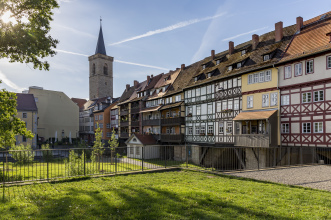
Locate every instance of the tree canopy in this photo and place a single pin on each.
(27, 39)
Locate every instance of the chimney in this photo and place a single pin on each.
(231, 47)
(299, 23)
(151, 76)
(255, 41)
(127, 87)
(182, 66)
(148, 79)
(135, 83)
(177, 69)
(213, 54)
(278, 31)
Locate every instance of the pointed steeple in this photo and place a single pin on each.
(100, 45)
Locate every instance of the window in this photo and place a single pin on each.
(96, 126)
(96, 118)
(266, 57)
(137, 150)
(197, 130)
(210, 109)
(230, 83)
(328, 62)
(170, 99)
(197, 92)
(285, 99)
(249, 101)
(189, 110)
(250, 79)
(221, 128)
(108, 134)
(218, 62)
(238, 65)
(224, 105)
(243, 52)
(236, 104)
(210, 129)
(204, 66)
(101, 125)
(23, 138)
(310, 66)
(256, 78)
(25, 115)
(318, 96)
(198, 110)
(168, 130)
(225, 84)
(229, 68)
(230, 104)
(220, 86)
(287, 72)
(285, 128)
(261, 77)
(274, 99)
(202, 130)
(235, 82)
(306, 127)
(229, 127)
(209, 75)
(105, 69)
(318, 127)
(108, 125)
(190, 130)
(265, 100)
(167, 114)
(268, 75)
(131, 150)
(100, 117)
(178, 98)
(298, 69)
(195, 79)
(189, 94)
(209, 89)
(306, 97)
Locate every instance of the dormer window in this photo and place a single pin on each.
(229, 68)
(266, 57)
(195, 79)
(238, 65)
(209, 75)
(218, 62)
(157, 91)
(204, 66)
(243, 52)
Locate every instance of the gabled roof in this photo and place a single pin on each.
(26, 102)
(145, 139)
(79, 102)
(153, 82)
(126, 95)
(312, 39)
(100, 45)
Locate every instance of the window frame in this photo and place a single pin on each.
(265, 104)
(24, 115)
(265, 77)
(285, 129)
(273, 100)
(327, 63)
(250, 101)
(288, 72)
(266, 57)
(304, 126)
(221, 125)
(282, 100)
(295, 65)
(319, 98)
(319, 127)
(306, 97)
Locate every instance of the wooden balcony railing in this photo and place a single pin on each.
(172, 137)
(124, 135)
(124, 123)
(124, 112)
(135, 110)
(252, 140)
(134, 123)
(151, 122)
(173, 121)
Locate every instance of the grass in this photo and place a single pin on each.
(167, 195)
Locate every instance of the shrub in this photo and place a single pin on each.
(22, 154)
(47, 154)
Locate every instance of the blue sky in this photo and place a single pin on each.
(148, 37)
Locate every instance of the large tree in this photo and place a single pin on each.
(27, 39)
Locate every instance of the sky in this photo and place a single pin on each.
(148, 37)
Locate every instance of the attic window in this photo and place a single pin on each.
(195, 79)
(157, 91)
(243, 52)
(229, 68)
(204, 66)
(238, 65)
(218, 62)
(266, 57)
(166, 78)
(209, 75)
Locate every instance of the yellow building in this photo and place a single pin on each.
(58, 115)
(27, 112)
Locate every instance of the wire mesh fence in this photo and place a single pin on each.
(17, 167)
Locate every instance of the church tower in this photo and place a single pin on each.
(101, 71)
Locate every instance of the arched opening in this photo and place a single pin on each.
(93, 69)
(105, 69)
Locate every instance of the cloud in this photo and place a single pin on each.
(117, 61)
(169, 28)
(249, 32)
(77, 31)
(9, 83)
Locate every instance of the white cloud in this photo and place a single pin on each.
(169, 28)
(9, 83)
(249, 32)
(77, 31)
(118, 61)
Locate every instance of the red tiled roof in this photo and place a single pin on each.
(79, 102)
(146, 139)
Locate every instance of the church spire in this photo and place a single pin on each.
(100, 45)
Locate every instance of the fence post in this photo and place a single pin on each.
(165, 156)
(258, 158)
(84, 162)
(186, 149)
(116, 158)
(212, 161)
(47, 171)
(142, 158)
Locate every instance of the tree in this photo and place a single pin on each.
(113, 144)
(27, 39)
(98, 147)
(10, 125)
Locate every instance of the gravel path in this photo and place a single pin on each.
(317, 177)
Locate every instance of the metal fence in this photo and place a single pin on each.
(17, 167)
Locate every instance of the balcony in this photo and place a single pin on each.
(135, 110)
(252, 140)
(173, 121)
(124, 135)
(124, 112)
(134, 123)
(151, 122)
(172, 138)
(124, 123)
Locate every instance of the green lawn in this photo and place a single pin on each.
(167, 195)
